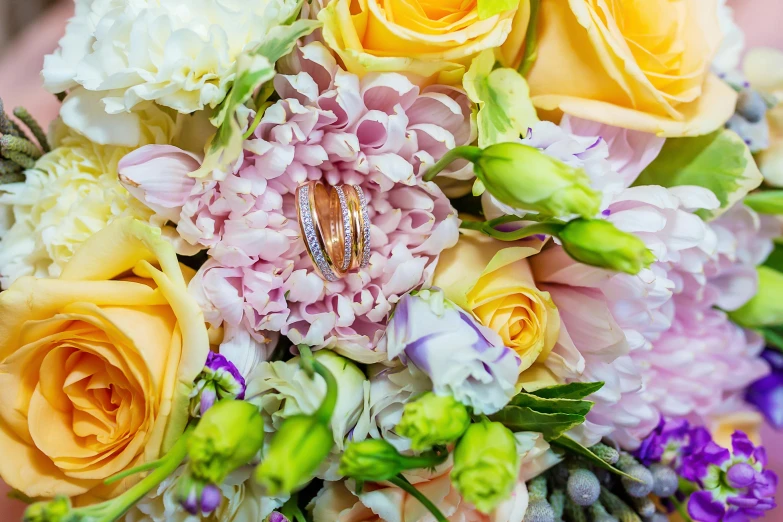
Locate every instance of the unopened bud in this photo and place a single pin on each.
(295, 452)
(606, 453)
(229, 435)
(574, 512)
(599, 243)
(371, 460)
(557, 501)
(57, 510)
(276, 517)
(539, 511)
(433, 420)
(485, 465)
(599, 514)
(525, 178)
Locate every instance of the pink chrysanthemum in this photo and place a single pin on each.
(376, 132)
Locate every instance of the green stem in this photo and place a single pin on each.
(310, 365)
(467, 152)
(402, 483)
(112, 510)
(547, 229)
(680, 507)
(429, 459)
(128, 472)
(256, 120)
(531, 39)
(291, 511)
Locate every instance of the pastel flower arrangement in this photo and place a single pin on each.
(488, 261)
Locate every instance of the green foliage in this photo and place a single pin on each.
(570, 445)
(503, 98)
(720, 161)
(574, 390)
(766, 202)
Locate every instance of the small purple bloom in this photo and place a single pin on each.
(210, 498)
(219, 379)
(277, 517)
(703, 508)
(741, 475)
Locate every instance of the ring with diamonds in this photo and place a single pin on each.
(335, 227)
(323, 240)
(357, 205)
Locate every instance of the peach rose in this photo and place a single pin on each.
(492, 280)
(640, 65)
(96, 366)
(426, 40)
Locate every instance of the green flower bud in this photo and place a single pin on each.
(371, 460)
(525, 178)
(766, 307)
(485, 465)
(433, 420)
(228, 436)
(297, 449)
(599, 243)
(57, 510)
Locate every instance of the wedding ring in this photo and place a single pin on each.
(335, 227)
(318, 238)
(357, 204)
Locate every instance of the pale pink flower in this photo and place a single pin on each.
(380, 132)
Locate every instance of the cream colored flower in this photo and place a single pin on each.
(72, 193)
(176, 53)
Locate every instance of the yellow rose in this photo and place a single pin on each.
(764, 69)
(430, 40)
(492, 279)
(640, 64)
(96, 366)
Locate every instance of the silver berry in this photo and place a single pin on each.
(539, 511)
(643, 485)
(665, 480)
(583, 487)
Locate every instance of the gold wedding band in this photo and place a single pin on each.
(335, 226)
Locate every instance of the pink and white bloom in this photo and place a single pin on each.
(379, 132)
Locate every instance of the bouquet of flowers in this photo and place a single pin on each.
(399, 260)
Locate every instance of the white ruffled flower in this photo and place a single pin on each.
(243, 501)
(727, 58)
(176, 53)
(282, 389)
(72, 193)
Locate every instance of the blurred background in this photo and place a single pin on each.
(30, 29)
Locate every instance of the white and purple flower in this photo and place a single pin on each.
(461, 357)
(219, 380)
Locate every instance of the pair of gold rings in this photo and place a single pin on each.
(335, 226)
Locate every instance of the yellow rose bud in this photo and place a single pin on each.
(429, 41)
(96, 366)
(492, 280)
(642, 65)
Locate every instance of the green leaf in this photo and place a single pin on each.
(502, 95)
(575, 390)
(252, 70)
(541, 405)
(552, 425)
(773, 338)
(488, 8)
(766, 202)
(567, 443)
(720, 161)
(775, 259)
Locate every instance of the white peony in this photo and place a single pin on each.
(243, 501)
(177, 53)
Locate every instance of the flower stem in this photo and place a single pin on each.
(467, 152)
(401, 482)
(485, 227)
(310, 365)
(429, 459)
(531, 39)
(113, 509)
(138, 469)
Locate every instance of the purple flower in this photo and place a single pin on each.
(664, 443)
(276, 517)
(200, 498)
(219, 379)
(766, 394)
(734, 484)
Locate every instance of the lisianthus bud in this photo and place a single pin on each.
(228, 436)
(485, 465)
(525, 178)
(276, 517)
(766, 307)
(599, 243)
(432, 420)
(296, 451)
(218, 380)
(376, 460)
(196, 497)
(57, 510)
